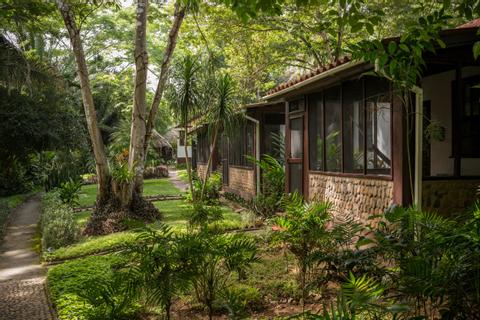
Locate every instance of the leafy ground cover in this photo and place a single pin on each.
(267, 289)
(175, 214)
(152, 187)
(65, 280)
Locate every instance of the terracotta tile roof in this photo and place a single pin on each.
(472, 24)
(308, 75)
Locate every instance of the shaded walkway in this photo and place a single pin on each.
(174, 177)
(22, 278)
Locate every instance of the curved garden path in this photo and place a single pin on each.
(22, 277)
(174, 177)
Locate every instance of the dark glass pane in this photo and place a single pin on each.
(296, 137)
(470, 126)
(296, 105)
(274, 137)
(333, 114)
(353, 126)
(250, 137)
(296, 178)
(315, 131)
(378, 108)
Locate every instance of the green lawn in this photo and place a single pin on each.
(152, 187)
(175, 214)
(182, 174)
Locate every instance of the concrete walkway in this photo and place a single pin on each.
(177, 181)
(22, 278)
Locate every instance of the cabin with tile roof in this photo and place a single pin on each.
(350, 141)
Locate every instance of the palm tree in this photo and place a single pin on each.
(184, 100)
(219, 117)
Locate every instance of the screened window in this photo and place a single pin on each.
(203, 147)
(470, 120)
(333, 142)
(242, 145)
(274, 136)
(296, 137)
(350, 127)
(378, 123)
(353, 127)
(315, 119)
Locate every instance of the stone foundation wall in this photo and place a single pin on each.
(201, 169)
(355, 197)
(449, 196)
(241, 181)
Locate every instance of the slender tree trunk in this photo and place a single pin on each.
(187, 162)
(178, 16)
(136, 156)
(103, 174)
(209, 162)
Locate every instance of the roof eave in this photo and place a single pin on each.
(323, 75)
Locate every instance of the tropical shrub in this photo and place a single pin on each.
(273, 187)
(212, 189)
(202, 216)
(358, 298)
(69, 192)
(58, 224)
(162, 265)
(437, 258)
(221, 256)
(307, 233)
(264, 206)
(240, 298)
(52, 168)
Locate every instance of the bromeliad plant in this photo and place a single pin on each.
(69, 192)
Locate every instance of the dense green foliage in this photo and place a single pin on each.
(66, 281)
(58, 226)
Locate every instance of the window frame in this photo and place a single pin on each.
(233, 151)
(459, 101)
(366, 173)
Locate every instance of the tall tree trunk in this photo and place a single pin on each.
(137, 151)
(178, 16)
(187, 163)
(103, 174)
(209, 162)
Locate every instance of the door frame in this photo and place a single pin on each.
(302, 113)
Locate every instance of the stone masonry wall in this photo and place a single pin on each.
(241, 181)
(449, 196)
(354, 197)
